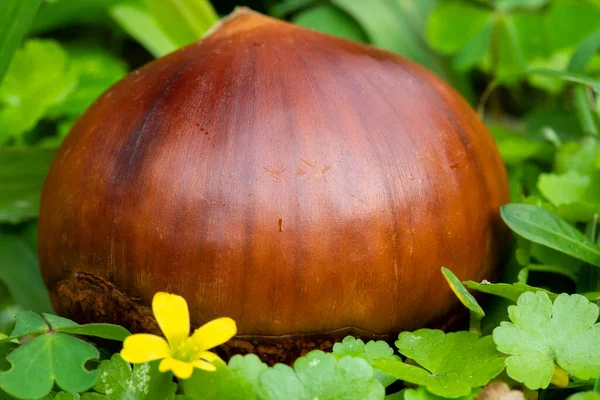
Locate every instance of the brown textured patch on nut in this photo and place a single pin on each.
(86, 298)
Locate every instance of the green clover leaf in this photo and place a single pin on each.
(321, 375)
(236, 381)
(505, 37)
(421, 393)
(37, 364)
(369, 352)
(584, 396)
(450, 365)
(117, 381)
(542, 333)
(66, 396)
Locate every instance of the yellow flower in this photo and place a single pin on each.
(180, 353)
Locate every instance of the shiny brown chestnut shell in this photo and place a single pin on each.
(296, 182)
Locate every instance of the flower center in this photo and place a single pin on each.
(185, 351)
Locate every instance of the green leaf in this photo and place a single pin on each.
(15, 19)
(331, 20)
(57, 323)
(570, 187)
(5, 349)
(573, 187)
(104, 331)
(29, 323)
(580, 156)
(421, 393)
(584, 396)
(475, 310)
(558, 61)
(550, 257)
(509, 291)
(450, 365)
(184, 21)
(570, 77)
(543, 227)
(369, 352)
(462, 293)
(95, 70)
(91, 396)
(525, 4)
(321, 375)
(584, 106)
(569, 22)
(286, 7)
(118, 382)
(511, 53)
(576, 212)
(22, 175)
(46, 359)
(585, 52)
(38, 77)
(474, 49)
(523, 251)
(21, 272)
(442, 32)
(506, 42)
(516, 148)
(477, 35)
(61, 13)
(67, 396)
(135, 19)
(552, 269)
(561, 121)
(113, 376)
(542, 333)
(239, 380)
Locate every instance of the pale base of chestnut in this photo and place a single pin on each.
(85, 298)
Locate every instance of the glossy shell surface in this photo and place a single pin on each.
(293, 181)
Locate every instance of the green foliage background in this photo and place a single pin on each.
(530, 67)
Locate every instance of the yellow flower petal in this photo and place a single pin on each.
(205, 365)
(143, 347)
(209, 356)
(181, 369)
(171, 313)
(214, 333)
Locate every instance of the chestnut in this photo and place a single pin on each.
(304, 185)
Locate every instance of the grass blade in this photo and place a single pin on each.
(183, 21)
(585, 52)
(15, 18)
(138, 23)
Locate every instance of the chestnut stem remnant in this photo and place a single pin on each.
(382, 172)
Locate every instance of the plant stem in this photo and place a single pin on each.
(475, 323)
